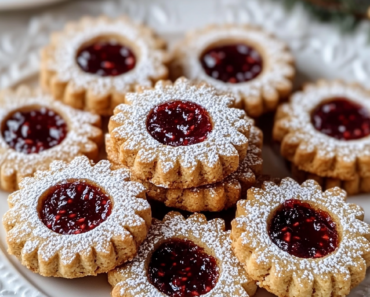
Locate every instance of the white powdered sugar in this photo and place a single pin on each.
(230, 126)
(277, 60)
(78, 141)
(25, 226)
(62, 53)
(353, 232)
(209, 235)
(299, 126)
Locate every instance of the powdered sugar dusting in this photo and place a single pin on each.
(77, 142)
(23, 224)
(277, 59)
(353, 232)
(61, 55)
(210, 235)
(230, 126)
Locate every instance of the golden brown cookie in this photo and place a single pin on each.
(94, 62)
(76, 219)
(37, 130)
(299, 241)
(242, 59)
(352, 187)
(180, 135)
(213, 197)
(325, 130)
(195, 255)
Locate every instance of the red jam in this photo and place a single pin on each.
(106, 58)
(234, 63)
(179, 123)
(75, 207)
(180, 268)
(302, 231)
(31, 132)
(342, 119)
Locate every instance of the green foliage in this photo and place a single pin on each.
(346, 13)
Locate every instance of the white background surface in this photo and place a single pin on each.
(321, 51)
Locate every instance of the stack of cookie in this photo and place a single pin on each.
(324, 132)
(187, 145)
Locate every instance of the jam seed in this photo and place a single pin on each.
(296, 224)
(195, 293)
(287, 237)
(81, 220)
(57, 217)
(69, 201)
(325, 237)
(160, 274)
(72, 215)
(83, 227)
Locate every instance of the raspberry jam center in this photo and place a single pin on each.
(234, 63)
(302, 231)
(75, 207)
(180, 268)
(106, 58)
(342, 119)
(179, 123)
(34, 131)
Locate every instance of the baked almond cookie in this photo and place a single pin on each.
(299, 241)
(243, 59)
(354, 186)
(76, 219)
(182, 258)
(180, 135)
(94, 62)
(37, 130)
(213, 197)
(325, 130)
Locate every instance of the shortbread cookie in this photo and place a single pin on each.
(76, 219)
(352, 187)
(299, 241)
(37, 130)
(94, 62)
(182, 258)
(180, 135)
(325, 130)
(213, 197)
(245, 60)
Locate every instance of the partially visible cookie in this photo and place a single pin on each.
(213, 197)
(37, 130)
(296, 240)
(242, 59)
(180, 135)
(94, 62)
(76, 219)
(181, 257)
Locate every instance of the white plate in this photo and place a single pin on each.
(23, 4)
(320, 50)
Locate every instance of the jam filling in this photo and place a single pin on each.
(31, 132)
(75, 207)
(342, 119)
(234, 63)
(302, 231)
(180, 268)
(179, 123)
(106, 58)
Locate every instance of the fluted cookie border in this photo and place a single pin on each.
(83, 138)
(99, 250)
(167, 166)
(257, 96)
(67, 82)
(313, 151)
(131, 279)
(286, 275)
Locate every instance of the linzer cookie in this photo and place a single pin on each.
(93, 63)
(213, 197)
(299, 241)
(325, 130)
(180, 135)
(245, 60)
(37, 130)
(76, 219)
(183, 258)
